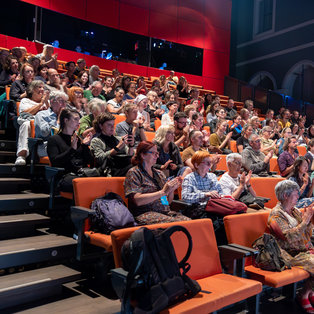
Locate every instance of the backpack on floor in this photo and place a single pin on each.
(111, 213)
(155, 278)
(269, 256)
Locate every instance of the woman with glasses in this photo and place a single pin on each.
(169, 160)
(286, 133)
(130, 91)
(147, 189)
(75, 99)
(267, 143)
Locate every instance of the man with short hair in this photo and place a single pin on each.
(69, 76)
(288, 156)
(231, 112)
(253, 159)
(248, 104)
(181, 133)
(81, 64)
(131, 124)
(47, 121)
(54, 82)
(94, 92)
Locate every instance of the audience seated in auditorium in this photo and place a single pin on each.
(267, 143)
(249, 106)
(253, 159)
(153, 107)
(18, 87)
(81, 64)
(3, 56)
(200, 185)
(66, 150)
(112, 154)
(130, 91)
(142, 102)
(293, 231)
(231, 112)
(36, 100)
(169, 160)
(141, 87)
(69, 76)
(245, 116)
(47, 121)
(148, 190)
(210, 112)
(268, 116)
(35, 63)
(300, 175)
(168, 118)
(54, 81)
(107, 90)
(116, 104)
(234, 182)
(94, 91)
(219, 139)
(243, 140)
(181, 130)
(48, 58)
(285, 134)
(189, 110)
(183, 87)
(236, 127)
(42, 73)
(284, 122)
(221, 114)
(82, 80)
(131, 124)
(94, 72)
(75, 99)
(288, 156)
(172, 79)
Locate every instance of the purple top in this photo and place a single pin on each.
(285, 160)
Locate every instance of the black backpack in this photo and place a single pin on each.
(111, 213)
(155, 278)
(269, 256)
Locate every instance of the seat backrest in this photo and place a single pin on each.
(150, 136)
(273, 164)
(204, 259)
(88, 189)
(266, 187)
(157, 124)
(222, 164)
(233, 146)
(244, 229)
(32, 123)
(301, 150)
(7, 92)
(119, 118)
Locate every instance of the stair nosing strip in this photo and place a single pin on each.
(25, 284)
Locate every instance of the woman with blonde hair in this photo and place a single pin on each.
(169, 159)
(48, 58)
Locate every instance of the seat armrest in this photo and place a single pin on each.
(233, 259)
(118, 280)
(52, 176)
(179, 205)
(245, 248)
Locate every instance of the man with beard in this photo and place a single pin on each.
(181, 133)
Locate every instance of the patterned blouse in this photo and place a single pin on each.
(139, 181)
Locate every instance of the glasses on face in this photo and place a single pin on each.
(153, 153)
(206, 163)
(182, 122)
(257, 141)
(60, 101)
(78, 93)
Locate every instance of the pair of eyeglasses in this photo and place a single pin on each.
(153, 153)
(206, 163)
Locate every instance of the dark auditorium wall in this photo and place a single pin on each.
(200, 23)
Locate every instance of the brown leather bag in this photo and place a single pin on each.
(225, 205)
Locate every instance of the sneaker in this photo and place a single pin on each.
(20, 161)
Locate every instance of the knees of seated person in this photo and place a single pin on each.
(22, 142)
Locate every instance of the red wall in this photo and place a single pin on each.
(200, 23)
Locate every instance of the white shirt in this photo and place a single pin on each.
(229, 184)
(27, 103)
(165, 120)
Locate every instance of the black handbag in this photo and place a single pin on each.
(88, 172)
(248, 199)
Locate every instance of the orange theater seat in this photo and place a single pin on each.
(266, 187)
(88, 189)
(233, 146)
(222, 164)
(273, 165)
(244, 230)
(150, 136)
(302, 150)
(157, 123)
(224, 289)
(119, 118)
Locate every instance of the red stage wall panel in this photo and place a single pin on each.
(214, 84)
(133, 19)
(201, 23)
(103, 12)
(218, 13)
(168, 7)
(190, 33)
(76, 8)
(163, 26)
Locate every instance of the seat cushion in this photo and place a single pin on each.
(225, 290)
(276, 279)
(100, 239)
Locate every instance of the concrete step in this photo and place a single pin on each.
(9, 169)
(36, 249)
(33, 285)
(7, 145)
(7, 156)
(14, 185)
(23, 202)
(14, 226)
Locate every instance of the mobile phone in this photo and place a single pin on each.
(130, 131)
